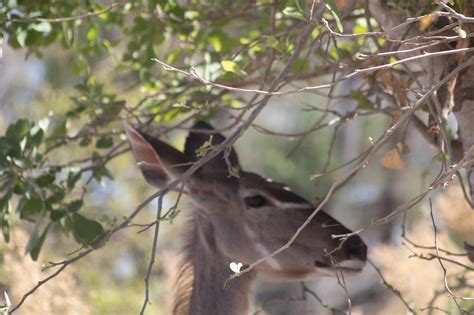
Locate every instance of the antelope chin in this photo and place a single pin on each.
(354, 264)
(349, 267)
(291, 276)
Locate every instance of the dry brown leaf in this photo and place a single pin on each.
(403, 148)
(470, 251)
(392, 160)
(387, 80)
(395, 84)
(426, 22)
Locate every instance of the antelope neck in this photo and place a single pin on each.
(210, 272)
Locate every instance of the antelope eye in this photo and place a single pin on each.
(255, 201)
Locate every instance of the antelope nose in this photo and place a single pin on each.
(356, 248)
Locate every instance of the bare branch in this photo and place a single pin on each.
(445, 271)
(270, 92)
(152, 256)
(343, 179)
(391, 287)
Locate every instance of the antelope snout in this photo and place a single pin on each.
(356, 248)
(355, 252)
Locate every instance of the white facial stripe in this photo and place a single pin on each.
(355, 264)
(274, 202)
(249, 232)
(293, 205)
(272, 262)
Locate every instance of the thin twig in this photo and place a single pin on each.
(445, 271)
(343, 179)
(391, 287)
(152, 257)
(356, 72)
(66, 19)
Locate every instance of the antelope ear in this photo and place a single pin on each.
(159, 162)
(204, 137)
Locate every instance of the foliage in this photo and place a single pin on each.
(210, 36)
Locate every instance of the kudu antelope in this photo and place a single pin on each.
(240, 219)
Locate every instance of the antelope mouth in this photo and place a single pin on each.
(354, 265)
(291, 275)
(321, 269)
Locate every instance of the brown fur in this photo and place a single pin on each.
(183, 282)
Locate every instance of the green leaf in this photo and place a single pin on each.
(42, 27)
(6, 227)
(104, 142)
(72, 177)
(230, 66)
(92, 34)
(45, 180)
(85, 142)
(204, 148)
(74, 206)
(85, 231)
(60, 129)
(17, 131)
(20, 187)
(107, 220)
(112, 109)
(56, 215)
(9, 149)
(29, 207)
(5, 209)
(360, 26)
(21, 37)
(36, 242)
(56, 197)
(36, 137)
(169, 116)
(293, 12)
(67, 35)
(20, 162)
(300, 65)
(361, 99)
(100, 172)
(271, 41)
(216, 41)
(331, 6)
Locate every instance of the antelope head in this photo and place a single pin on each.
(248, 217)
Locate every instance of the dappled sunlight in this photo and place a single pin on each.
(413, 270)
(20, 273)
(456, 213)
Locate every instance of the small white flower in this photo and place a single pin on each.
(333, 121)
(7, 299)
(4, 309)
(235, 267)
